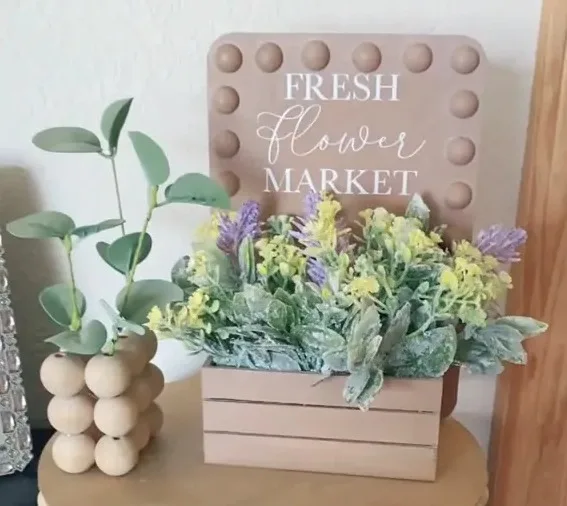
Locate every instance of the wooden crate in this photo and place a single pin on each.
(280, 420)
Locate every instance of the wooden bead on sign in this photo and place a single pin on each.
(107, 376)
(154, 418)
(70, 415)
(41, 500)
(116, 456)
(150, 344)
(73, 454)
(116, 416)
(62, 374)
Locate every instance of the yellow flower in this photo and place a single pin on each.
(279, 256)
(362, 287)
(449, 280)
(155, 317)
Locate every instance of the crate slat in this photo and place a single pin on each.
(321, 422)
(316, 455)
(225, 383)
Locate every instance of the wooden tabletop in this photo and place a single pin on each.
(171, 473)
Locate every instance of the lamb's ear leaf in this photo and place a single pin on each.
(67, 140)
(42, 225)
(525, 325)
(113, 120)
(417, 208)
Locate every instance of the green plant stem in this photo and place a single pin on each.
(152, 204)
(75, 316)
(117, 192)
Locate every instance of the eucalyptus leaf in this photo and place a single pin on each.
(102, 250)
(88, 341)
(42, 225)
(143, 296)
(527, 326)
(113, 120)
(119, 323)
(88, 230)
(57, 302)
(417, 208)
(67, 140)
(152, 158)
(120, 254)
(195, 188)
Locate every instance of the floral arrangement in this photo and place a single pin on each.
(64, 303)
(309, 294)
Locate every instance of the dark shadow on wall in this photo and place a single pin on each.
(31, 267)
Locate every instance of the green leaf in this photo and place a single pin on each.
(89, 341)
(152, 158)
(320, 338)
(397, 329)
(477, 358)
(113, 119)
(336, 360)
(102, 250)
(120, 254)
(179, 273)
(42, 225)
(143, 296)
(417, 208)
(283, 362)
(119, 323)
(57, 302)
(197, 188)
(426, 355)
(246, 260)
(67, 140)
(241, 311)
(527, 326)
(277, 315)
(362, 386)
(362, 347)
(257, 299)
(87, 230)
(504, 342)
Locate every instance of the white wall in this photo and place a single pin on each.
(62, 61)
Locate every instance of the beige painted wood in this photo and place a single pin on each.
(324, 456)
(321, 422)
(308, 389)
(172, 473)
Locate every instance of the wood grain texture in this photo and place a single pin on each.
(171, 472)
(321, 423)
(308, 389)
(323, 456)
(529, 440)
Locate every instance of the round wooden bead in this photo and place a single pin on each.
(116, 456)
(154, 418)
(150, 344)
(140, 434)
(70, 415)
(116, 416)
(153, 375)
(107, 376)
(141, 393)
(41, 500)
(62, 374)
(94, 432)
(132, 350)
(73, 454)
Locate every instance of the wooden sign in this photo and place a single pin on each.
(372, 118)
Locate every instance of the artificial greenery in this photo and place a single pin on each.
(308, 294)
(64, 303)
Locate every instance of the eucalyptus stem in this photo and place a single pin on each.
(138, 251)
(117, 192)
(75, 315)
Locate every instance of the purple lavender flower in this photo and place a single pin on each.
(310, 204)
(316, 272)
(501, 242)
(233, 232)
